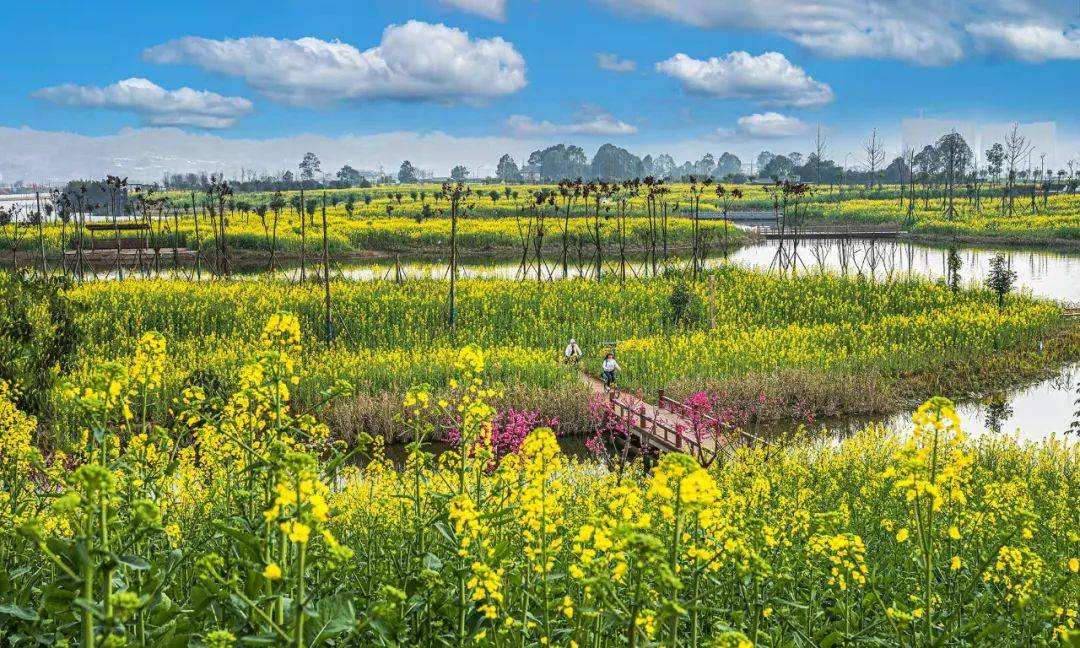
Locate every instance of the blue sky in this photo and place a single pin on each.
(864, 64)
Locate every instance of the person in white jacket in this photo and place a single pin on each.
(572, 355)
(610, 368)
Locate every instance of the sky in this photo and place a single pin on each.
(144, 88)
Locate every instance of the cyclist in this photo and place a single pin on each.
(610, 369)
(572, 354)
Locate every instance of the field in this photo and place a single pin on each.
(201, 463)
(815, 344)
(242, 519)
(414, 219)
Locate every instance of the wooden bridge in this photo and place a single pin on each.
(669, 426)
(846, 231)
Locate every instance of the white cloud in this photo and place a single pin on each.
(902, 29)
(769, 125)
(416, 60)
(614, 63)
(1028, 41)
(493, 9)
(144, 154)
(589, 121)
(769, 79)
(156, 105)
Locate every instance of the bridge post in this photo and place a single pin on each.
(660, 398)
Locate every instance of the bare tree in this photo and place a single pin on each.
(875, 156)
(820, 149)
(1017, 147)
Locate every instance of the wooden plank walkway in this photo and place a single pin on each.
(667, 426)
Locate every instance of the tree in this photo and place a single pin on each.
(816, 158)
(763, 159)
(614, 163)
(559, 161)
(779, 167)
(956, 157)
(310, 166)
(1017, 148)
(407, 174)
(459, 173)
(875, 156)
(1001, 278)
(727, 165)
(647, 165)
(995, 158)
(507, 170)
(348, 176)
(706, 166)
(663, 166)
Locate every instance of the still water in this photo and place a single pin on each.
(1041, 273)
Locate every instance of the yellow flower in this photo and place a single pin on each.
(1074, 565)
(954, 533)
(296, 531)
(955, 564)
(272, 572)
(902, 535)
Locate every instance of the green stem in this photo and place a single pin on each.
(300, 596)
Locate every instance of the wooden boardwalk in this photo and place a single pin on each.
(825, 231)
(668, 425)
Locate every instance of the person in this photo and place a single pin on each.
(611, 367)
(573, 352)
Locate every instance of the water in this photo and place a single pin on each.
(1040, 273)
(1030, 413)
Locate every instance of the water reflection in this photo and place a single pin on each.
(1042, 273)
(1031, 414)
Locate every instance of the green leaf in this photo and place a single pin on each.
(445, 531)
(248, 540)
(335, 616)
(134, 562)
(26, 614)
(432, 562)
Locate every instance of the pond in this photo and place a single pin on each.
(1030, 413)
(1042, 273)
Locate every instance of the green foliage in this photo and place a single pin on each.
(38, 337)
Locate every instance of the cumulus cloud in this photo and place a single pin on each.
(417, 60)
(1028, 42)
(493, 9)
(900, 29)
(769, 78)
(614, 63)
(590, 121)
(156, 105)
(769, 125)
